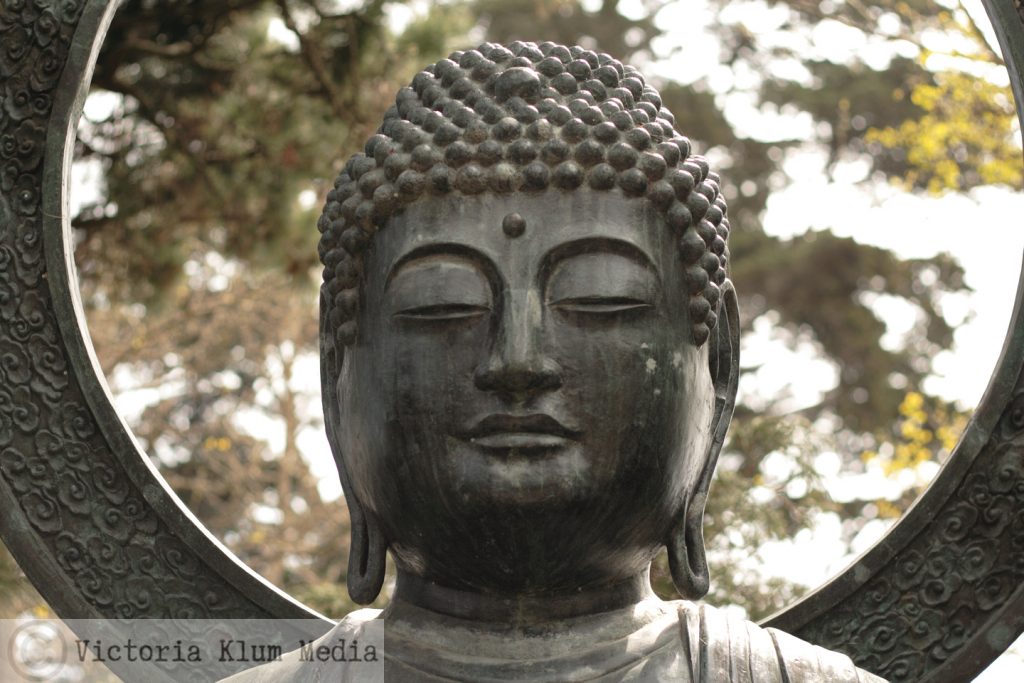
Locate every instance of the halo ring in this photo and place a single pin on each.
(892, 609)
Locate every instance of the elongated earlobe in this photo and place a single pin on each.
(687, 559)
(368, 547)
(366, 556)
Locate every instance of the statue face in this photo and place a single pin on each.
(525, 411)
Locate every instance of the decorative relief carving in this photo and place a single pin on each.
(921, 609)
(914, 615)
(69, 485)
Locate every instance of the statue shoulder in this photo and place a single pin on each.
(724, 647)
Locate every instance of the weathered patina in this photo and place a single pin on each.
(910, 609)
(529, 352)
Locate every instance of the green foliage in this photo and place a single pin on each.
(220, 129)
(820, 281)
(926, 432)
(931, 129)
(852, 99)
(963, 137)
(747, 166)
(198, 264)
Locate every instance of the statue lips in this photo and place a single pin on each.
(520, 432)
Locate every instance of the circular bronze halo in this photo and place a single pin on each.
(909, 609)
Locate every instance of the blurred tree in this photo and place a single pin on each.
(964, 137)
(917, 104)
(926, 431)
(225, 122)
(198, 262)
(16, 594)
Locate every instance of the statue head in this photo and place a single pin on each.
(529, 341)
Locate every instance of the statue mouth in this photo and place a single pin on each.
(520, 432)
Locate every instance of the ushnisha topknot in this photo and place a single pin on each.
(525, 118)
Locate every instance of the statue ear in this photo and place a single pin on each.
(368, 547)
(686, 556)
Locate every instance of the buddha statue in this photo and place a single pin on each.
(529, 362)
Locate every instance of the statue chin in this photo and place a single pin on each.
(530, 352)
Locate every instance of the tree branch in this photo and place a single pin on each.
(314, 60)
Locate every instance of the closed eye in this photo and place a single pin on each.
(441, 312)
(598, 305)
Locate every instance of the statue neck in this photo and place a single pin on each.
(520, 610)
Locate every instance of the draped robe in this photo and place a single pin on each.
(652, 641)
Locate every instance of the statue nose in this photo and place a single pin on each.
(517, 367)
(518, 379)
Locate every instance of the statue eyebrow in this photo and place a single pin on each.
(590, 245)
(460, 251)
